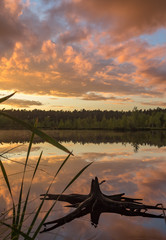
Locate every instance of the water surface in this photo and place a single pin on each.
(133, 163)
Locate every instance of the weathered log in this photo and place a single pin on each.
(71, 198)
(96, 203)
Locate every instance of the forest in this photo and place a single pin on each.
(89, 119)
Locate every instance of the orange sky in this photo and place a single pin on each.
(74, 54)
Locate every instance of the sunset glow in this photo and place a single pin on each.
(75, 54)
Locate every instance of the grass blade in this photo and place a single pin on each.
(77, 175)
(22, 183)
(27, 197)
(37, 166)
(62, 165)
(42, 202)
(6, 178)
(9, 188)
(9, 150)
(45, 217)
(7, 97)
(38, 132)
(16, 231)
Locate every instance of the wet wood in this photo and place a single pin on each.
(96, 203)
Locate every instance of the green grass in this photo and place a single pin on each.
(15, 226)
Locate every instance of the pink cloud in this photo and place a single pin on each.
(75, 35)
(157, 103)
(22, 103)
(99, 97)
(122, 20)
(70, 55)
(74, 73)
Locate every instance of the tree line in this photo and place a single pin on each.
(89, 119)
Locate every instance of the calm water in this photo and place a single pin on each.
(134, 163)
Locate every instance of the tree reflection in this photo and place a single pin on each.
(135, 138)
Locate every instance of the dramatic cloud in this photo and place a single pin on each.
(121, 20)
(22, 103)
(90, 50)
(10, 26)
(76, 35)
(157, 103)
(99, 97)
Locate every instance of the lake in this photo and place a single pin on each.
(133, 163)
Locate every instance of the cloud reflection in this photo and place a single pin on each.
(129, 174)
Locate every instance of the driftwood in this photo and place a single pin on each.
(96, 203)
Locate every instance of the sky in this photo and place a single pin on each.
(83, 54)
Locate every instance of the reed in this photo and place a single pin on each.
(15, 226)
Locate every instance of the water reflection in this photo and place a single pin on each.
(136, 138)
(96, 203)
(139, 174)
